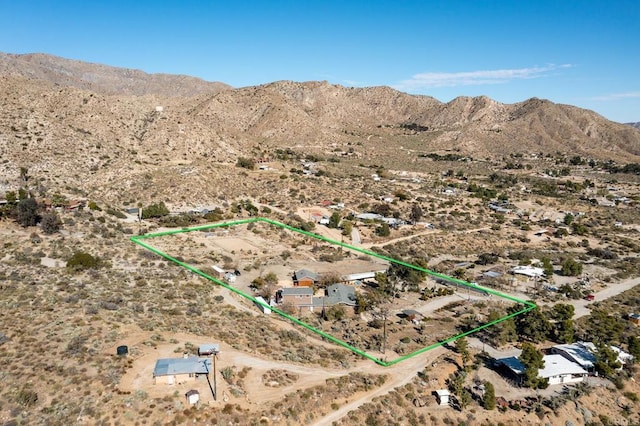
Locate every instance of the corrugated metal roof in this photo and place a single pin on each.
(191, 365)
(208, 348)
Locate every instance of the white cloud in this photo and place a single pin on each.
(474, 78)
(617, 96)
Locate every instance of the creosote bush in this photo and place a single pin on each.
(81, 261)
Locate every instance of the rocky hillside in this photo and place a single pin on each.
(101, 78)
(92, 126)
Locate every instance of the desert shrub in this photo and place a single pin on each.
(336, 312)
(93, 206)
(246, 163)
(27, 212)
(228, 374)
(50, 223)
(116, 213)
(81, 261)
(155, 210)
(26, 397)
(76, 345)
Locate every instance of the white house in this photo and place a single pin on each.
(529, 271)
(558, 370)
(578, 353)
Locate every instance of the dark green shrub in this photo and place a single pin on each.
(81, 261)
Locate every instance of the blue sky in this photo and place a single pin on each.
(583, 53)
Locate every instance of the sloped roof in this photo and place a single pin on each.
(305, 273)
(577, 352)
(191, 365)
(513, 364)
(557, 365)
(342, 293)
(296, 291)
(529, 271)
(554, 365)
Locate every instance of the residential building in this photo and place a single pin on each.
(336, 294)
(300, 298)
(180, 370)
(557, 370)
(304, 277)
(578, 353)
(529, 271)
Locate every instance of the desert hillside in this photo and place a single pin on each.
(85, 124)
(531, 204)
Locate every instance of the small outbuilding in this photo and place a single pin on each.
(442, 395)
(208, 349)
(193, 396)
(122, 350)
(262, 305)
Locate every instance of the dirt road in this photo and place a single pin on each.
(582, 307)
(400, 374)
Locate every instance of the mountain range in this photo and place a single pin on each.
(66, 119)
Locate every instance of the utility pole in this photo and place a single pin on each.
(384, 335)
(215, 381)
(385, 312)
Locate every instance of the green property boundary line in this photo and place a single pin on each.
(527, 304)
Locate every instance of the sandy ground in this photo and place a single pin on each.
(140, 375)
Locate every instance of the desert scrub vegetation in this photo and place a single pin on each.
(276, 378)
(301, 405)
(82, 260)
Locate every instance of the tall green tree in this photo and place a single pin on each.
(456, 385)
(606, 360)
(533, 361)
(603, 327)
(383, 230)
(28, 212)
(547, 267)
(489, 397)
(563, 326)
(347, 228)
(462, 347)
(155, 210)
(571, 267)
(634, 346)
(11, 197)
(334, 220)
(568, 219)
(502, 332)
(533, 326)
(416, 213)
